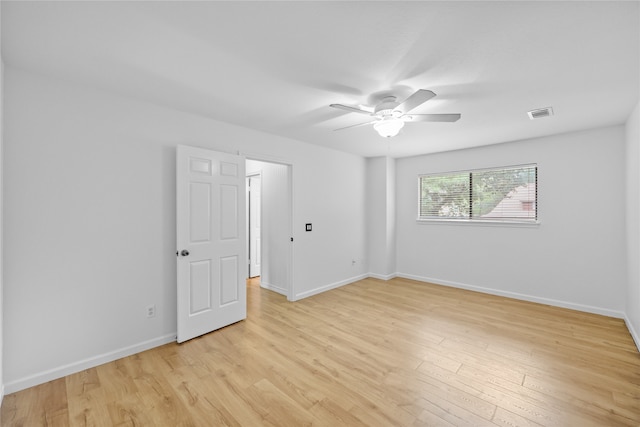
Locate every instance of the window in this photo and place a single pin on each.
(501, 194)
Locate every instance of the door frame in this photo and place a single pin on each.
(290, 195)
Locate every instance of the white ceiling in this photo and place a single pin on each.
(276, 66)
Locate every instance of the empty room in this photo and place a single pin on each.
(327, 213)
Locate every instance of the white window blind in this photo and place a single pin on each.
(500, 194)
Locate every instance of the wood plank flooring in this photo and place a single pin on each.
(373, 353)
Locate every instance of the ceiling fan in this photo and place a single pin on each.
(390, 115)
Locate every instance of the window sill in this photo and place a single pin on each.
(485, 223)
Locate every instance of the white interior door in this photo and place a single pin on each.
(255, 187)
(211, 238)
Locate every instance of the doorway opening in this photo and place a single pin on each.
(254, 205)
(269, 225)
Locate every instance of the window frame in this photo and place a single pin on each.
(509, 222)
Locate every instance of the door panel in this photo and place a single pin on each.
(200, 289)
(211, 287)
(229, 212)
(199, 212)
(229, 274)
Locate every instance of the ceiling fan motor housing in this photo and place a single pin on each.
(387, 107)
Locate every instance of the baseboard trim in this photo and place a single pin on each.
(632, 331)
(328, 287)
(519, 296)
(72, 368)
(274, 288)
(383, 276)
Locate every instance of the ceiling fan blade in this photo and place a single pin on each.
(355, 126)
(419, 97)
(351, 109)
(433, 117)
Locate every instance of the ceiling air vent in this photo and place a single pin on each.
(540, 113)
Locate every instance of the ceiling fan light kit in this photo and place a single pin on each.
(388, 127)
(390, 116)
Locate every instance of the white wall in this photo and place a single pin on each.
(391, 216)
(633, 223)
(381, 221)
(90, 219)
(332, 198)
(574, 258)
(1, 221)
(275, 232)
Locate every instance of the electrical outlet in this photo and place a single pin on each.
(151, 310)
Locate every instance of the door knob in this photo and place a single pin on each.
(184, 252)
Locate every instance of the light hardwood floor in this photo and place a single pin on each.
(373, 353)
